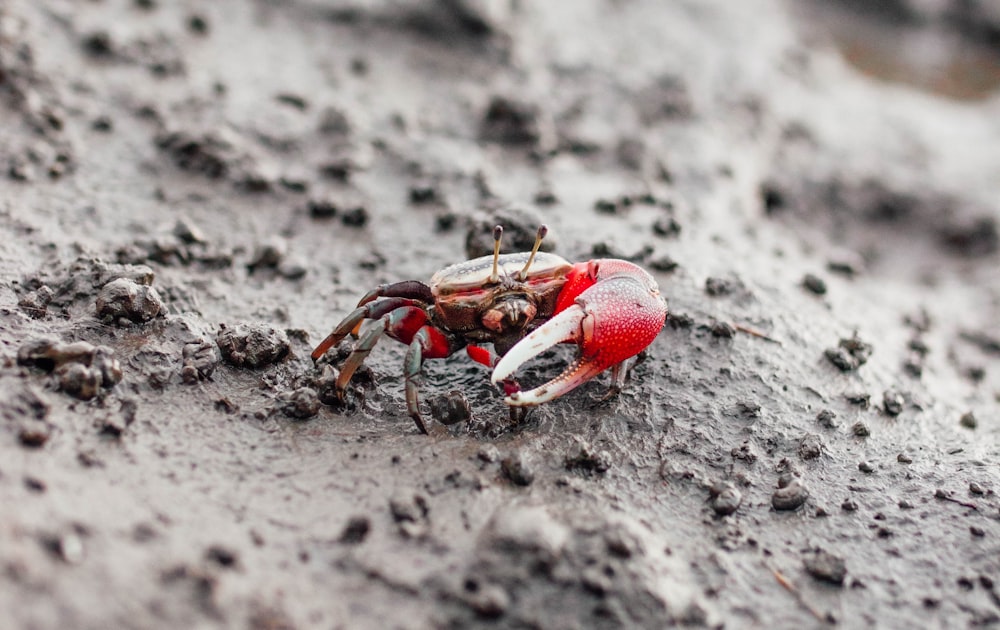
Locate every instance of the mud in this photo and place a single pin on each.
(193, 194)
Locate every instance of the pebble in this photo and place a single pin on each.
(82, 368)
(510, 121)
(718, 286)
(79, 381)
(810, 447)
(356, 530)
(36, 303)
(866, 467)
(814, 284)
(200, 358)
(723, 330)
(892, 402)
(252, 345)
(790, 497)
(124, 302)
(488, 453)
(582, 457)
(515, 466)
(860, 429)
(269, 255)
(726, 499)
(850, 353)
(826, 567)
(968, 420)
(827, 419)
(34, 434)
(451, 408)
(300, 404)
(490, 601)
(188, 233)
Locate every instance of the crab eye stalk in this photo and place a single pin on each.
(497, 235)
(542, 231)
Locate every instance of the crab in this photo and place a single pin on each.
(522, 304)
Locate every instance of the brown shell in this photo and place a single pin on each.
(463, 291)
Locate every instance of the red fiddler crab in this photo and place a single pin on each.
(523, 304)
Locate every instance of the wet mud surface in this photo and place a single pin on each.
(193, 194)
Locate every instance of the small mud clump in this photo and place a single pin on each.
(451, 408)
(826, 567)
(814, 284)
(516, 468)
(520, 226)
(200, 360)
(36, 303)
(508, 121)
(125, 302)
(892, 402)
(725, 498)
(29, 412)
(300, 404)
(252, 345)
(82, 368)
(789, 496)
(968, 420)
(810, 447)
(719, 286)
(356, 530)
(850, 354)
(584, 459)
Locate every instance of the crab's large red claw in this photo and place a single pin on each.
(614, 319)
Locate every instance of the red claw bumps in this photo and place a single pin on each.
(520, 303)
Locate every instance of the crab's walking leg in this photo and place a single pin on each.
(357, 357)
(409, 289)
(350, 323)
(428, 343)
(400, 323)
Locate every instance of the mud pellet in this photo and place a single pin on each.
(726, 499)
(356, 530)
(892, 402)
(252, 345)
(827, 419)
(123, 301)
(814, 284)
(968, 420)
(301, 404)
(517, 469)
(826, 567)
(791, 497)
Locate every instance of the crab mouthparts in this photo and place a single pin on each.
(568, 325)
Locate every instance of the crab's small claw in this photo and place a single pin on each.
(615, 316)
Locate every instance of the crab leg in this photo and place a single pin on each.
(611, 309)
(400, 323)
(428, 343)
(353, 321)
